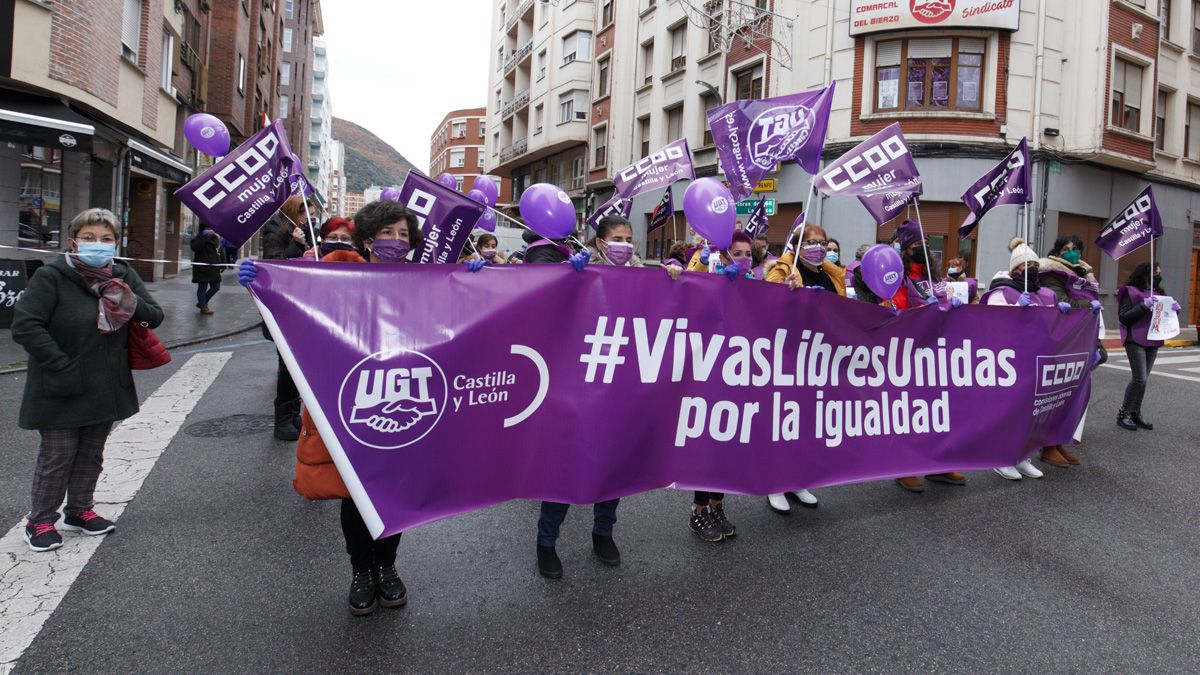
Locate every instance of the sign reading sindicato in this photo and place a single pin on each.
(872, 16)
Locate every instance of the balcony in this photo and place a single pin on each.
(522, 9)
(515, 150)
(518, 56)
(516, 104)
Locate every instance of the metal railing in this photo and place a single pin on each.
(516, 104)
(515, 150)
(512, 61)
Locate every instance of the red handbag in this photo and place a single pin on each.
(146, 351)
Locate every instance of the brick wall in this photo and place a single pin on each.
(150, 58)
(230, 38)
(741, 52)
(85, 48)
(1120, 32)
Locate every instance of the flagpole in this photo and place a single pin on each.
(921, 228)
(308, 218)
(812, 190)
(1152, 262)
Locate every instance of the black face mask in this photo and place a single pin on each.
(919, 256)
(1158, 280)
(1034, 282)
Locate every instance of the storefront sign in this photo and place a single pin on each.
(873, 16)
(12, 285)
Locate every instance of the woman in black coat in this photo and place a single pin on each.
(206, 270)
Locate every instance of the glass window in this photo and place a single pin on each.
(289, 6)
(539, 114)
(887, 75)
(287, 40)
(168, 58)
(458, 158)
(241, 73)
(131, 28)
(1196, 26)
(749, 83)
(459, 130)
(600, 144)
(39, 220)
(644, 135)
(1164, 13)
(577, 47)
(283, 107)
(1160, 120)
(285, 74)
(647, 62)
(606, 12)
(679, 48)
(674, 123)
(1191, 129)
(602, 78)
(937, 74)
(541, 64)
(1126, 94)
(710, 102)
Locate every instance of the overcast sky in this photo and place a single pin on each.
(397, 67)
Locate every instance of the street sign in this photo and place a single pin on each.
(765, 185)
(746, 207)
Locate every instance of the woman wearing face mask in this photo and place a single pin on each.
(833, 252)
(1135, 303)
(486, 250)
(737, 261)
(388, 231)
(956, 272)
(73, 319)
(815, 271)
(337, 234)
(613, 245)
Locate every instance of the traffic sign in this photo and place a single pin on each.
(746, 207)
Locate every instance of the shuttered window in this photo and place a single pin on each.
(131, 29)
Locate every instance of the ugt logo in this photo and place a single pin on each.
(778, 134)
(930, 11)
(392, 398)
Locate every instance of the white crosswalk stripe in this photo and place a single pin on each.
(33, 584)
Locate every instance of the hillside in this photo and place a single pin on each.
(369, 160)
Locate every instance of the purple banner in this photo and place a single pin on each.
(880, 171)
(1137, 225)
(697, 389)
(754, 136)
(446, 216)
(1005, 183)
(758, 219)
(663, 211)
(238, 194)
(616, 206)
(672, 163)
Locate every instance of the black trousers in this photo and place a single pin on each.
(285, 387)
(1141, 362)
(703, 498)
(366, 553)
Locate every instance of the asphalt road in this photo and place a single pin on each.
(218, 566)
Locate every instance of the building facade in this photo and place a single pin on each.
(321, 155)
(1107, 92)
(457, 146)
(301, 25)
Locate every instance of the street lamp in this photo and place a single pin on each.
(712, 90)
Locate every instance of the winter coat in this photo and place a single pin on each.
(783, 269)
(205, 250)
(77, 375)
(1061, 276)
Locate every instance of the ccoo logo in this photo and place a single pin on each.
(778, 134)
(392, 398)
(931, 11)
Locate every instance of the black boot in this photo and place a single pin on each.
(1137, 419)
(1125, 420)
(548, 563)
(362, 593)
(297, 421)
(285, 429)
(606, 549)
(392, 592)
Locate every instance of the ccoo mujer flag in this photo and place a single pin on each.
(1137, 225)
(1005, 183)
(880, 171)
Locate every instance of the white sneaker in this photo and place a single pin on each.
(779, 503)
(1028, 470)
(806, 498)
(1009, 472)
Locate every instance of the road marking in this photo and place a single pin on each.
(1172, 360)
(33, 584)
(1153, 373)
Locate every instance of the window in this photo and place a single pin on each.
(600, 144)
(606, 12)
(131, 29)
(648, 62)
(482, 129)
(679, 47)
(283, 107)
(458, 183)
(539, 115)
(938, 74)
(541, 65)
(287, 40)
(1164, 13)
(1126, 94)
(39, 223)
(289, 8)
(1196, 26)
(499, 101)
(572, 106)
(479, 157)
(602, 78)
(577, 47)
(674, 123)
(715, 26)
(644, 135)
(761, 4)
(458, 130)
(1191, 132)
(710, 102)
(1160, 120)
(577, 172)
(749, 83)
(496, 144)
(241, 74)
(285, 74)
(458, 158)
(499, 58)
(168, 58)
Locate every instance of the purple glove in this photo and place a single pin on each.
(1064, 307)
(956, 302)
(1175, 307)
(816, 288)
(476, 265)
(1150, 301)
(1095, 358)
(247, 272)
(1096, 306)
(731, 271)
(1025, 300)
(704, 254)
(580, 260)
(931, 300)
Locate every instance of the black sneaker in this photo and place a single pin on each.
(726, 528)
(392, 592)
(549, 565)
(88, 522)
(1137, 419)
(362, 593)
(703, 526)
(606, 549)
(42, 537)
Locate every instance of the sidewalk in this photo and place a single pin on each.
(183, 324)
(1186, 338)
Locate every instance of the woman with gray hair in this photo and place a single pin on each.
(73, 319)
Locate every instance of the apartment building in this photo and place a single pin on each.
(458, 147)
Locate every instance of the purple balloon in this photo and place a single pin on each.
(882, 270)
(448, 181)
(487, 186)
(710, 210)
(207, 134)
(389, 195)
(487, 221)
(548, 211)
(478, 197)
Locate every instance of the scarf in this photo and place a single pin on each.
(117, 300)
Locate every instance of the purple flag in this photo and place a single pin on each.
(238, 194)
(883, 207)
(753, 136)
(616, 206)
(403, 385)
(672, 163)
(446, 217)
(1006, 183)
(758, 219)
(880, 171)
(1137, 225)
(662, 212)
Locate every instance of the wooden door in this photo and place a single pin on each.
(940, 221)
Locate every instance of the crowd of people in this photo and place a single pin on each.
(75, 319)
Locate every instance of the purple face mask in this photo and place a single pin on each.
(390, 250)
(619, 252)
(488, 253)
(743, 265)
(813, 254)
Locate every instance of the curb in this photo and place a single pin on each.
(172, 345)
(1115, 343)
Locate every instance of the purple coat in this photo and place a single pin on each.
(1140, 328)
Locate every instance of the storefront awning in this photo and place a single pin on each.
(48, 122)
(158, 163)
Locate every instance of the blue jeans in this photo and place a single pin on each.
(205, 291)
(604, 515)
